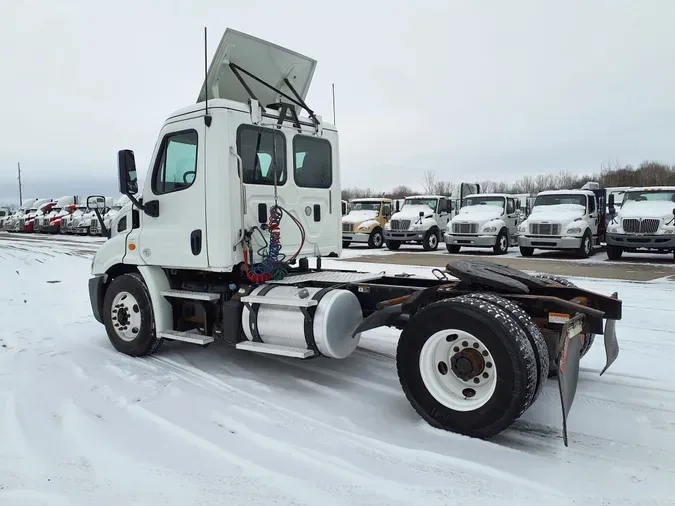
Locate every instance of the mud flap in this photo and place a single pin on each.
(380, 318)
(568, 366)
(611, 343)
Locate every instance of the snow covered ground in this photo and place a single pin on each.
(81, 424)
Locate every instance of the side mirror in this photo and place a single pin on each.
(96, 202)
(517, 204)
(611, 200)
(673, 212)
(398, 206)
(126, 165)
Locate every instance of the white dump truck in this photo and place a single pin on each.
(645, 221)
(218, 249)
(421, 219)
(572, 220)
(488, 220)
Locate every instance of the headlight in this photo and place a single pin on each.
(522, 229)
(490, 230)
(613, 230)
(364, 228)
(418, 227)
(573, 230)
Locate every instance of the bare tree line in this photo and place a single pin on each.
(611, 174)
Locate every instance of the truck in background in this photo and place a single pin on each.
(572, 220)
(421, 219)
(365, 221)
(488, 220)
(645, 221)
(11, 221)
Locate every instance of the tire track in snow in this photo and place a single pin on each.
(442, 465)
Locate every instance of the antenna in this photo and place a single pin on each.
(333, 103)
(207, 118)
(18, 166)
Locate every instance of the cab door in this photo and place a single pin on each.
(511, 218)
(444, 211)
(173, 227)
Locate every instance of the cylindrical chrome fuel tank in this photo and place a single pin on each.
(335, 317)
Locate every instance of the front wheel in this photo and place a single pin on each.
(128, 316)
(501, 246)
(430, 241)
(526, 251)
(393, 245)
(453, 248)
(466, 366)
(376, 239)
(586, 247)
(614, 252)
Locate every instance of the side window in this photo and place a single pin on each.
(313, 164)
(510, 206)
(122, 224)
(257, 148)
(591, 204)
(177, 164)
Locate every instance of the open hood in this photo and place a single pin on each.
(268, 62)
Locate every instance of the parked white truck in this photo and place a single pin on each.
(488, 220)
(422, 219)
(217, 249)
(572, 220)
(644, 222)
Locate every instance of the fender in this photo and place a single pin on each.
(157, 282)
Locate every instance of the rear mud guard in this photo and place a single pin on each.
(568, 366)
(611, 343)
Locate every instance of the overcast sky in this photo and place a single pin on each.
(488, 89)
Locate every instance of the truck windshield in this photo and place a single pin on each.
(560, 198)
(366, 206)
(649, 195)
(421, 202)
(483, 201)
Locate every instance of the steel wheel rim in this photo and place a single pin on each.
(443, 383)
(502, 243)
(587, 245)
(377, 239)
(433, 240)
(125, 315)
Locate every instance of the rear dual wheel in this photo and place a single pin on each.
(472, 364)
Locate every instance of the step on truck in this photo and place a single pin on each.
(228, 262)
(566, 220)
(488, 220)
(365, 222)
(421, 219)
(644, 222)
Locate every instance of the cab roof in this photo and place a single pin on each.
(650, 188)
(566, 192)
(371, 199)
(426, 197)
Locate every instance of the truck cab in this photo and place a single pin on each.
(569, 220)
(365, 222)
(645, 221)
(4, 215)
(487, 220)
(32, 217)
(12, 222)
(422, 219)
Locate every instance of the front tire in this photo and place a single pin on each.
(501, 246)
(376, 239)
(393, 245)
(466, 366)
(453, 248)
(128, 316)
(526, 251)
(586, 247)
(614, 252)
(430, 241)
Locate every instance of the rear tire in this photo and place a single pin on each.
(614, 252)
(432, 385)
(453, 248)
(526, 251)
(393, 245)
(130, 322)
(345, 244)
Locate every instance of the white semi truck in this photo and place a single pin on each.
(571, 220)
(644, 222)
(488, 220)
(243, 189)
(421, 219)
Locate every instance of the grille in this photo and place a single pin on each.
(633, 226)
(400, 224)
(545, 229)
(347, 227)
(465, 228)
